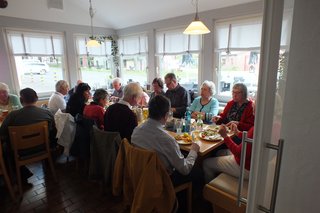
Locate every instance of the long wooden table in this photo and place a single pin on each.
(205, 146)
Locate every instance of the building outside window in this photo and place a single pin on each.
(38, 59)
(179, 53)
(95, 63)
(133, 57)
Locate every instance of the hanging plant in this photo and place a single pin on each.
(115, 53)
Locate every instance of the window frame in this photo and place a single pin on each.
(12, 60)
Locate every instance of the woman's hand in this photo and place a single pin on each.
(216, 118)
(234, 128)
(223, 131)
(233, 122)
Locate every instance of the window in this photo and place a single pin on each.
(133, 56)
(238, 54)
(95, 63)
(38, 59)
(179, 53)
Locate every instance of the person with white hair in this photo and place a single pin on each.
(205, 104)
(119, 116)
(57, 100)
(8, 101)
(118, 89)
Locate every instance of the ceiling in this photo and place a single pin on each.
(115, 14)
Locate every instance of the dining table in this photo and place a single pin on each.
(206, 146)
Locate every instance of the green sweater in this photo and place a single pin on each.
(13, 101)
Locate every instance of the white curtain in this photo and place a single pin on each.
(103, 50)
(244, 34)
(175, 42)
(132, 45)
(32, 43)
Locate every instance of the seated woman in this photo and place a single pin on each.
(95, 110)
(79, 99)
(205, 104)
(230, 162)
(8, 101)
(157, 85)
(143, 102)
(237, 111)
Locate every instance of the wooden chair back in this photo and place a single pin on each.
(29, 136)
(30, 144)
(3, 171)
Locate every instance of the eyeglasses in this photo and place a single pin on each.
(236, 92)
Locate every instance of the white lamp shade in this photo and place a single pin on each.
(93, 43)
(196, 28)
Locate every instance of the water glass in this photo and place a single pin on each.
(178, 126)
(208, 117)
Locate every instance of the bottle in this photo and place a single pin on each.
(199, 122)
(187, 117)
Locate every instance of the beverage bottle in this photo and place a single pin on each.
(187, 117)
(199, 122)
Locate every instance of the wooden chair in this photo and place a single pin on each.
(3, 171)
(35, 138)
(222, 193)
(188, 187)
(157, 187)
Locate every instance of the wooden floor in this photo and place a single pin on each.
(72, 193)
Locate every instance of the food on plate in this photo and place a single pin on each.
(185, 137)
(211, 135)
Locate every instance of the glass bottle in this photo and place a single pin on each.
(199, 122)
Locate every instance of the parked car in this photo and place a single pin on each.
(35, 68)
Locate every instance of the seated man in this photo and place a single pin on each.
(118, 90)
(56, 100)
(119, 116)
(29, 114)
(178, 95)
(151, 136)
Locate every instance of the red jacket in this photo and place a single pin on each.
(246, 120)
(96, 113)
(236, 149)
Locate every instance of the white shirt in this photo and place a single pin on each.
(56, 102)
(151, 136)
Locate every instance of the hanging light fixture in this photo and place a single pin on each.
(92, 42)
(196, 27)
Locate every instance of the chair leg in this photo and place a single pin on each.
(19, 179)
(52, 168)
(8, 182)
(189, 198)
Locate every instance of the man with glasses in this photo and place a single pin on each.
(178, 96)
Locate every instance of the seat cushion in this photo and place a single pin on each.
(229, 184)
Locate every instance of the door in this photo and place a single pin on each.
(288, 108)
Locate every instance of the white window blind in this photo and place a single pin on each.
(34, 44)
(238, 34)
(133, 45)
(103, 50)
(175, 42)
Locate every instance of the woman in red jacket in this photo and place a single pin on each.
(230, 162)
(237, 111)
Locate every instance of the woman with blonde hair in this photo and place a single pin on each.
(8, 101)
(205, 104)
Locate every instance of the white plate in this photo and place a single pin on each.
(215, 137)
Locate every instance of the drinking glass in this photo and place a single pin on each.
(178, 126)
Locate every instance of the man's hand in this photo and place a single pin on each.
(195, 147)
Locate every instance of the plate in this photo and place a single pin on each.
(184, 139)
(182, 142)
(210, 135)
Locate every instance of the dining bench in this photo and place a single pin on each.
(222, 193)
